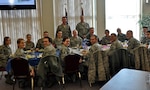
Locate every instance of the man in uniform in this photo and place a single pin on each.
(82, 28)
(144, 35)
(121, 36)
(106, 39)
(39, 44)
(65, 28)
(75, 41)
(115, 44)
(132, 42)
(42, 69)
(29, 44)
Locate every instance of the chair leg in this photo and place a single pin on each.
(14, 84)
(90, 84)
(1, 75)
(63, 80)
(32, 83)
(80, 79)
(41, 88)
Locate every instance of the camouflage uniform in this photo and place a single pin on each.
(20, 53)
(40, 44)
(43, 67)
(58, 42)
(132, 44)
(83, 29)
(144, 40)
(49, 50)
(29, 45)
(64, 52)
(66, 31)
(114, 46)
(105, 40)
(5, 52)
(74, 41)
(147, 41)
(121, 37)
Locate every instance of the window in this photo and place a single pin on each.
(124, 14)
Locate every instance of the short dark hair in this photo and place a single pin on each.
(148, 31)
(5, 39)
(145, 27)
(28, 35)
(107, 30)
(96, 37)
(64, 39)
(45, 31)
(49, 39)
(58, 31)
(19, 40)
(113, 34)
(64, 17)
(130, 31)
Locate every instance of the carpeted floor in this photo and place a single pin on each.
(68, 86)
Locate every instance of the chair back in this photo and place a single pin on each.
(71, 63)
(20, 67)
(120, 59)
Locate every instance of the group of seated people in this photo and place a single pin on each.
(63, 41)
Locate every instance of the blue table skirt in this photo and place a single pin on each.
(32, 62)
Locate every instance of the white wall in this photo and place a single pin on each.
(47, 17)
(146, 7)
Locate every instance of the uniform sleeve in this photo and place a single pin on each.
(70, 32)
(38, 44)
(63, 54)
(2, 56)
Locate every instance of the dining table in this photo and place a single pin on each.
(129, 79)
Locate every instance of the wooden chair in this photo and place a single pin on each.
(72, 66)
(20, 69)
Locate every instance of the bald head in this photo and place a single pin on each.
(75, 33)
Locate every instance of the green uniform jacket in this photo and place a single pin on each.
(40, 44)
(29, 45)
(105, 40)
(121, 37)
(114, 46)
(74, 41)
(19, 53)
(49, 50)
(58, 42)
(83, 29)
(132, 44)
(64, 52)
(5, 52)
(66, 31)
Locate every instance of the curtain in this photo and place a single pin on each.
(73, 8)
(17, 23)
